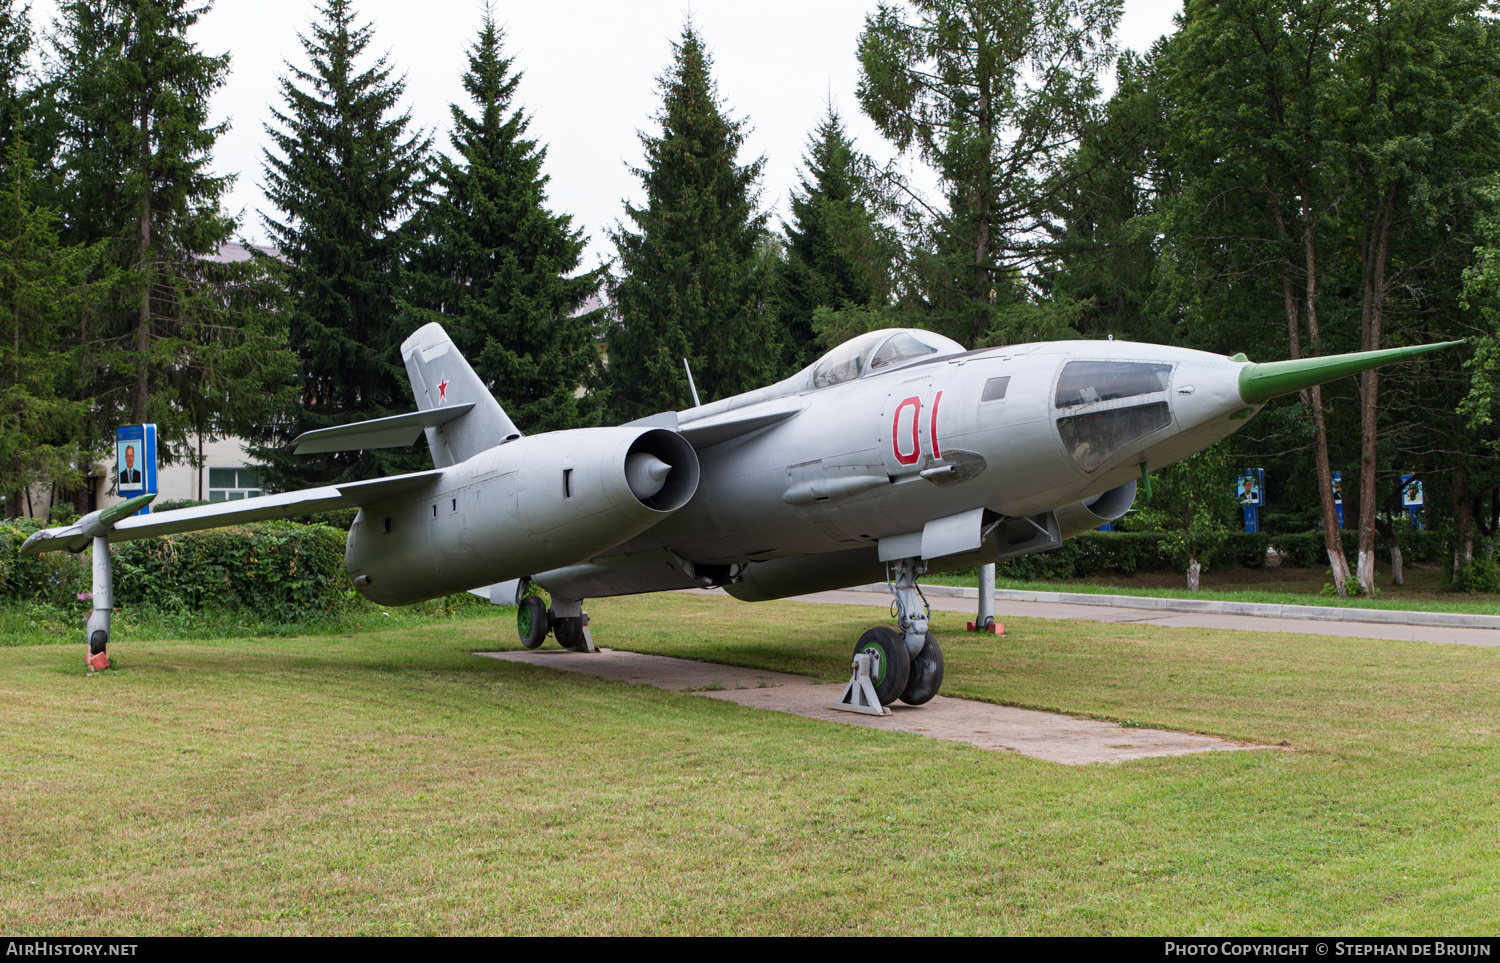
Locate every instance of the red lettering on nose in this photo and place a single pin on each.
(937, 451)
(907, 458)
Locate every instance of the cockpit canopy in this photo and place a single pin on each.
(876, 351)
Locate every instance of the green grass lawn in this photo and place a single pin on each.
(1423, 591)
(391, 782)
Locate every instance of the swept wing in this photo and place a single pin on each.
(77, 536)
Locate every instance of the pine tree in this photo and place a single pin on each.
(838, 255)
(990, 93)
(498, 270)
(18, 93)
(132, 108)
(41, 289)
(694, 281)
(345, 174)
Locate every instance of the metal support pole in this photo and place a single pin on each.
(986, 615)
(97, 632)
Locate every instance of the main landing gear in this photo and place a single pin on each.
(566, 620)
(904, 663)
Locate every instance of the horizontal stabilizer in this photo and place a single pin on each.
(397, 431)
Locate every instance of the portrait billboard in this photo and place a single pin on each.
(135, 460)
(1249, 486)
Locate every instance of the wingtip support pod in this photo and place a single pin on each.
(1259, 383)
(76, 537)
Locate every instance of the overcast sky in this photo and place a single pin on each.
(590, 71)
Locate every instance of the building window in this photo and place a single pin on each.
(232, 484)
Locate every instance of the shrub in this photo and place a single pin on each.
(1245, 549)
(53, 578)
(281, 571)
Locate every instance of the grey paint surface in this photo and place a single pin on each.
(1040, 735)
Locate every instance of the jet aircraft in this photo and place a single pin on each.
(896, 454)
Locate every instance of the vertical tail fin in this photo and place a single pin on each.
(440, 376)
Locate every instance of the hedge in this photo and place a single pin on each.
(1129, 552)
(281, 571)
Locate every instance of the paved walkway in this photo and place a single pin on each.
(1005, 608)
(1041, 735)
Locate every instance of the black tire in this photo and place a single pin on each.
(926, 675)
(892, 663)
(568, 631)
(531, 621)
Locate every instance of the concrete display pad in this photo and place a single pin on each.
(1041, 735)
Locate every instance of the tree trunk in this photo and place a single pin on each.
(1463, 525)
(143, 324)
(1313, 397)
(1376, 243)
(1194, 574)
(982, 279)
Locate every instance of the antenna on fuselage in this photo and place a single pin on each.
(691, 387)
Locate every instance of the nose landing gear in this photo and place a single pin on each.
(904, 663)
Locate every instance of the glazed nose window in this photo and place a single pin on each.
(1117, 407)
(1093, 437)
(1090, 382)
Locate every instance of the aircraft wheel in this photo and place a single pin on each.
(926, 675)
(892, 663)
(569, 632)
(531, 621)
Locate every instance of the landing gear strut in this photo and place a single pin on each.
(566, 620)
(904, 663)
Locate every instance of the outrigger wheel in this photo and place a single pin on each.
(531, 621)
(892, 664)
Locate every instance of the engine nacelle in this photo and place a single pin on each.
(1089, 514)
(526, 506)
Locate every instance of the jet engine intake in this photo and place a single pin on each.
(1089, 514)
(661, 470)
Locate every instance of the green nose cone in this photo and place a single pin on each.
(1259, 383)
(125, 509)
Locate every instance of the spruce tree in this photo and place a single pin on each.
(132, 108)
(345, 174)
(992, 94)
(19, 94)
(838, 255)
(694, 281)
(41, 290)
(496, 268)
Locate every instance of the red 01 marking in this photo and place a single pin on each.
(937, 452)
(915, 454)
(911, 457)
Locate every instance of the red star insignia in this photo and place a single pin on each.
(443, 391)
